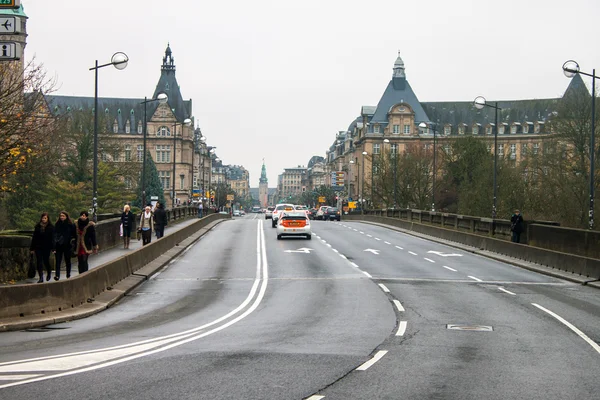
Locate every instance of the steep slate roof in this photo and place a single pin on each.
(314, 160)
(122, 109)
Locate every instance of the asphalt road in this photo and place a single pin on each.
(358, 312)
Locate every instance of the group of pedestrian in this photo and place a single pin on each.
(151, 221)
(64, 239)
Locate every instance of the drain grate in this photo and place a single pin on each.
(472, 328)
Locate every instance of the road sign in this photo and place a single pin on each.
(9, 25)
(337, 180)
(10, 51)
(230, 197)
(352, 204)
(10, 3)
(322, 199)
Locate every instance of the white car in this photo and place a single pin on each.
(278, 209)
(269, 212)
(293, 223)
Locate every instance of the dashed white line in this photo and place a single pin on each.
(366, 273)
(372, 361)
(572, 327)
(401, 328)
(477, 279)
(355, 230)
(506, 291)
(399, 305)
(315, 397)
(335, 251)
(451, 269)
(377, 239)
(387, 242)
(327, 244)
(343, 256)
(354, 265)
(370, 235)
(384, 288)
(429, 259)
(398, 247)
(414, 254)
(362, 233)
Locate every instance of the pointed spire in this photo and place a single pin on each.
(263, 173)
(399, 70)
(168, 59)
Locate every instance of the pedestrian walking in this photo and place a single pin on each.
(200, 210)
(146, 225)
(42, 244)
(127, 222)
(64, 234)
(516, 226)
(160, 220)
(86, 241)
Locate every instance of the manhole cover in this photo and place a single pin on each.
(474, 328)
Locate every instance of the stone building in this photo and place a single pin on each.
(263, 187)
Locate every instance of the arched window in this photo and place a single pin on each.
(139, 129)
(127, 127)
(115, 127)
(163, 131)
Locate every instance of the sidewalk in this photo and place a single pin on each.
(104, 256)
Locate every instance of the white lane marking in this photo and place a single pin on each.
(384, 288)
(572, 327)
(372, 361)
(327, 244)
(472, 277)
(16, 377)
(355, 230)
(377, 239)
(335, 251)
(132, 351)
(366, 273)
(343, 256)
(401, 328)
(315, 397)
(506, 291)
(414, 254)
(354, 265)
(399, 306)
(398, 247)
(429, 259)
(451, 269)
(387, 242)
(370, 235)
(362, 233)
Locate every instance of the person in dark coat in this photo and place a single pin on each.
(146, 225)
(64, 234)
(516, 226)
(86, 241)
(160, 220)
(127, 220)
(42, 244)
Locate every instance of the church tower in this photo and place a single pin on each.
(263, 187)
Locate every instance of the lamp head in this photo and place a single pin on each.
(187, 122)
(386, 140)
(364, 153)
(119, 60)
(423, 125)
(351, 161)
(203, 139)
(570, 68)
(162, 98)
(479, 102)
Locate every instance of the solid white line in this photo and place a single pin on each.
(399, 306)
(398, 247)
(451, 269)
(387, 242)
(343, 256)
(572, 327)
(354, 265)
(16, 377)
(477, 279)
(315, 397)
(372, 361)
(401, 328)
(366, 273)
(414, 254)
(429, 259)
(384, 288)
(506, 291)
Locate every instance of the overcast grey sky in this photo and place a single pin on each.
(277, 78)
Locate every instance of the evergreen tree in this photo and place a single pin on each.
(153, 185)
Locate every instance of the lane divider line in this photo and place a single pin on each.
(384, 288)
(372, 361)
(451, 269)
(472, 277)
(366, 273)
(582, 335)
(399, 306)
(506, 291)
(401, 328)
(315, 397)
(398, 247)
(413, 253)
(429, 259)
(387, 242)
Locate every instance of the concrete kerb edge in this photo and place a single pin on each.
(109, 297)
(541, 269)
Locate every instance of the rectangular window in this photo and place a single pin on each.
(181, 182)
(489, 148)
(407, 129)
(536, 148)
(513, 149)
(396, 129)
(524, 149)
(475, 130)
(165, 179)
(500, 149)
(536, 128)
(376, 148)
(127, 182)
(104, 157)
(513, 129)
(394, 149)
(501, 130)
(128, 152)
(488, 130)
(526, 128)
(376, 129)
(447, 130)
(461, 130)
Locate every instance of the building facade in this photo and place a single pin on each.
(263, 187)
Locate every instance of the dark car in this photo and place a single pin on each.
(331, 213)
(313, 213)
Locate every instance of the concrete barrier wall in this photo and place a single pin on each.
(28, 300)
(584, 266)
(582, 242)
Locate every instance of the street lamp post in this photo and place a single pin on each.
(479, 104)
(119, 60)
(434, 129)
(387, 141)
(570, 69)
(162, 98)
(186, 122)
(362, 190)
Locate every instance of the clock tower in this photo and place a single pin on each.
(263, 187)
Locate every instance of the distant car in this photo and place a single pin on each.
(237, 213)
(242, 212)
(312, 213)
(269, 212)
(321, 211)
(277, 211)
(293, 224)
(332, 213)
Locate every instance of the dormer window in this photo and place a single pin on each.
(447, 130)
(488, 129)
(127, 127)
(163, 131)
(475, 129)
(461, 130)
(501, 130)
(526, 128)
(376, 129)
(115, 127)
(513, 129)
(139, 128)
